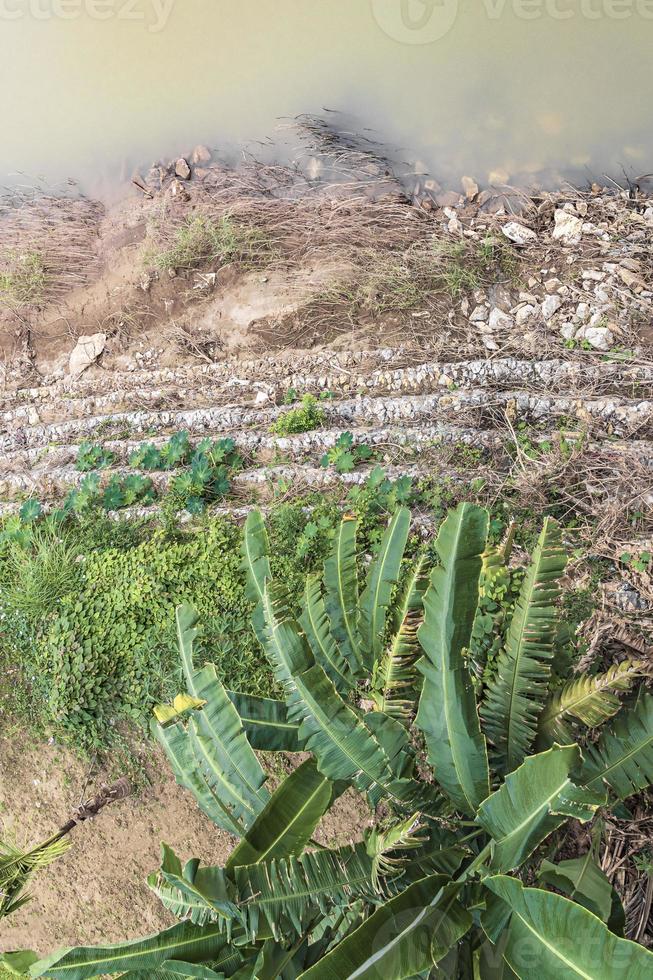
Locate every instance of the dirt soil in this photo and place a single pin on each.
(104, 872)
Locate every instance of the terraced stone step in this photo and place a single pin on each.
(421, 449)
(618, 416)
(190, 388)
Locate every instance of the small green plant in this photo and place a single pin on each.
(639, 561)
(93, 457)
(30, 511)
(304, 418)
(23, 278)
(344, 456)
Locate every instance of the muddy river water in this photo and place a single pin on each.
(501, 88)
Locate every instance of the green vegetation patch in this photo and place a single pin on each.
(23, 277)
(201, 239)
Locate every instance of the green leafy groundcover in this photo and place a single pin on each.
(106, 650)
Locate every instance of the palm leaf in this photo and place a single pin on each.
(382, 578)
(200, 895)
(345, 748)
(447, 709)
(17, 867)
(394, 678)
(589, 700)
(547, 937)
(516, 695)
(623, 757)
(315, 623)
(284, 893)
(287, 823)
(341, 598)
(405, 937)
(266, 724)
(533, 802)
(184, 941)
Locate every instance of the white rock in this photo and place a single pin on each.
(568, 228)
(518, 233)
(524, 314)
(550, 306)
(552, 285)
(500, 320)
(568, 330)
(593, 274)
(479, 314)
(87, 351)
(490, 343)
(600, 338)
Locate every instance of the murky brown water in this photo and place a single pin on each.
(90, 87)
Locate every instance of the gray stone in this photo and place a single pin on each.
(182, 169)
(479, 314)
(550, 306)
(524, 315)
(500, 320)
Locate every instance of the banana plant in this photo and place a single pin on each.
(374, 663)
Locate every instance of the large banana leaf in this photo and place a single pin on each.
(583, 881)
(345, 748)
(256, 549)
(533, 802)
(447, 709)
(623, 756)
(199, 894)
(382, 578)
(405, 937)
(591, 700)
(287, 823)
(177, 744)
(394, 678)
(516, 695)
(283, 893)
(341, 600)
(219, 746)
(184, 941)
(266, 724)
(315, 623)
(547, 937)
